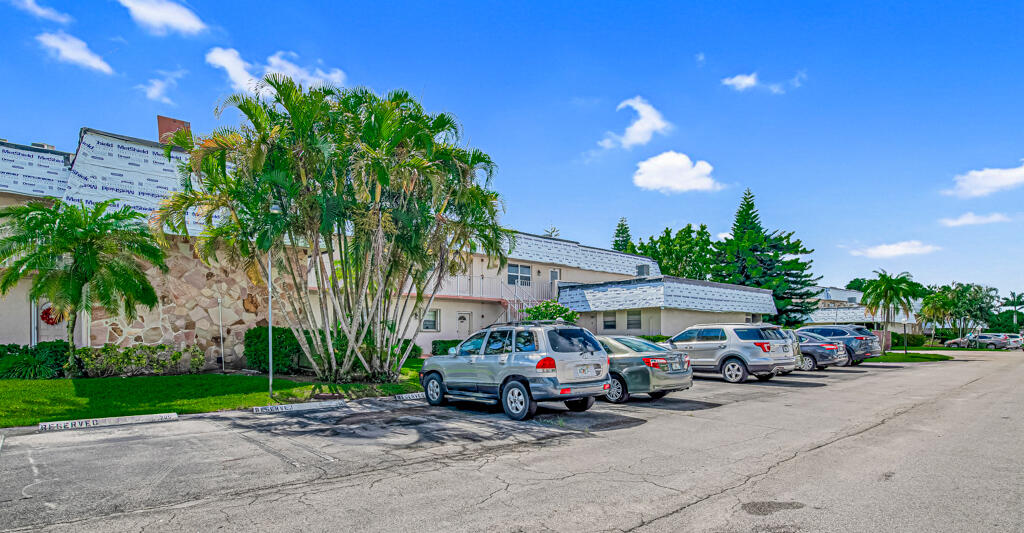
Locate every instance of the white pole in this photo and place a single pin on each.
(220, 311)
(270, 321)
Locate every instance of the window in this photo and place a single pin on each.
(431, 320)
(471, 346)
(519, 274)
(643, 270)
(611, 348)
(556, 274)
(640, 345)
(852, 299)
(609, 321)
(500, 341)
(862, 330)
(569, 340)
(689, 335)
(711, 335)
(633, 319)
(526, 341)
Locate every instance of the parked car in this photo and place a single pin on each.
(520, 364)
(641, 366)
(794, 346)
(860, 342)
(736, 350)
(819, 352)
(992, 341)
(1016, 341)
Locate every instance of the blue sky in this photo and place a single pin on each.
(885, 136)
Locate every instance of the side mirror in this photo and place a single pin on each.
(451, 351)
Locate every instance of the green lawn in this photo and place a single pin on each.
(28, 402)
(910, 357)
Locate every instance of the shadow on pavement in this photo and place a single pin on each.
(668, 404)
(775, 382)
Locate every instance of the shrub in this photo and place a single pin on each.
(25, 365)
(286, 350)
(550, 310)
(913, 340)
(440, 347)
(112, 360)
(52, 353)
(654, 338)
(11, 350)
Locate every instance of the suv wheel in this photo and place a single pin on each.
(580, 404)
(617, 391)
(991, 346)
(846, 362)
(807, 363)
(516, 401)
(433, 389)
(734, 371)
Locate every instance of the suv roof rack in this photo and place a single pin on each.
(557, 321)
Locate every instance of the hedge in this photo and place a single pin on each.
(654, 338)
(913, 340)
(44, 360)
(441, 346)
(288, 356)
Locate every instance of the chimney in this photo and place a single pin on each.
(168, 125)
(43, 146)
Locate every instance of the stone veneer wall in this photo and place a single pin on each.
(188, 313)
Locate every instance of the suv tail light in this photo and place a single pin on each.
(655, 362)
(764, 346)
(546, 365)
(861, 338)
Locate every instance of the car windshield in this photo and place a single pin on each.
(572, 340)
(759, 334)
(639, 345)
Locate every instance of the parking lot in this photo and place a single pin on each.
(929, 447)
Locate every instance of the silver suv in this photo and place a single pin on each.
(736, 350)
(520, 364)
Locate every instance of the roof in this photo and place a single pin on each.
(33, 171)
(837, 294)
(667, 292)
(850, 315)
(529, 247)
(134, 171)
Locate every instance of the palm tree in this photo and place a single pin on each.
(889, 294)
(79, 257)
(1015, 300)
(936, 308)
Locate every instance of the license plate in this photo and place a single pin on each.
(584, 371)
(676, 366)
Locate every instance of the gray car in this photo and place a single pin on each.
(520, 364)
(640, 366)
(992, 341)
(736, 350)
(860, 342)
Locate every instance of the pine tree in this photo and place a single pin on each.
(623, 241)
(755, 258)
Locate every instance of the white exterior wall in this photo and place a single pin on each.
(656, 321)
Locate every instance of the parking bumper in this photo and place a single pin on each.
(550, 389)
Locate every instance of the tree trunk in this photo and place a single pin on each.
(73, 361)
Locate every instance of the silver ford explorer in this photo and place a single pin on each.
(736, 350)
(520, 364)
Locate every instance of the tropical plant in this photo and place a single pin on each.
(936, 309)
(367, 198)
(622, 241)
(889, 294)
(552, 231)
(79, 257)
(1015, 301)
(551, 310)
(689, 253)
(754, 257)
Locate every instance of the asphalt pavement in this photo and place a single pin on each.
(878, 447)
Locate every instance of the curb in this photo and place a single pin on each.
(290, 407)
(85, 423)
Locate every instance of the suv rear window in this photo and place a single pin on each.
(758, 334)
(859, 330)
(568, 340)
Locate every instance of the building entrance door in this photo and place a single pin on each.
(463, 324)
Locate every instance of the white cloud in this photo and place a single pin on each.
(70, 49)
(161, 16)
(239, 71)
(648, 122)
(724, 235)
(700, 59)
(970, 219)
(305, 76)
(986, 181)
(897, 249)
(672, 172)
(156, 88)
(38, 11)
(741, 82)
